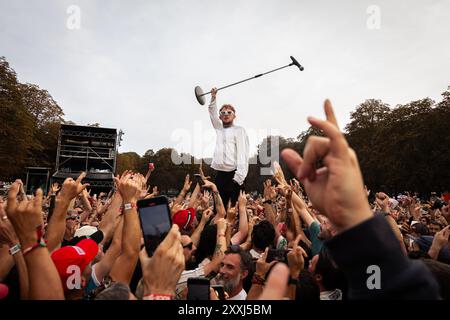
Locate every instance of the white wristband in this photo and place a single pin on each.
(15, 249)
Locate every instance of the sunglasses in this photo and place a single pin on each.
(189, 245)
(226, 113)
(72, 218)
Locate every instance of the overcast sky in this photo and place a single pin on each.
(133, 65)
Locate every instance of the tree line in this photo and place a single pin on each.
(402, 147)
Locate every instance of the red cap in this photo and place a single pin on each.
(4, 290)
(80, 255)
(184, 218)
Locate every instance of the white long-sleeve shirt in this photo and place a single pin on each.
(232, 147)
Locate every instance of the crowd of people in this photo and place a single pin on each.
(317, 237)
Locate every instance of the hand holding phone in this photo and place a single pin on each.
(155, 218)
(220, 291)
(198, 289)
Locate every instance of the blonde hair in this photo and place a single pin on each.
(229, 106)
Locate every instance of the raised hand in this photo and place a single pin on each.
(187, 184)
(206, 197)
(162, 272)
(71, 188)
(25, 215)
(210, 185)
(337, 188)
(231, 213)
(213, 93)
(206, 215)
(262, 266)
(55, 188)
(270, 193)
(202, 175)
(128, 187)
(177, 207)
(242, 200)
(221, 225)
(296, 259)
(382, 200)
(279, 175)
(8, 235)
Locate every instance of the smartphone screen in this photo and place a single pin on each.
(154, 215)
(198, 289)
(220, 291)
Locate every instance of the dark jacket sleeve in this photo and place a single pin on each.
(373, 243)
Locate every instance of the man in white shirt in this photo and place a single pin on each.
(231, 153)
(234, 269)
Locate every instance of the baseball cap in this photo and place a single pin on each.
(97, 235)
(184, 218)
(4, 291)
(80, 255)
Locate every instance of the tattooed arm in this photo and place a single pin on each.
(221, 246)
(220, 208)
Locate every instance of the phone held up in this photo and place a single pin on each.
(220, 291)
(198, 289)
(154, 215)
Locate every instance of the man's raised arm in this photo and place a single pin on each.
(213, 110)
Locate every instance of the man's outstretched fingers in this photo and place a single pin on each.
(316, 148)
(38, 199)
(81, 177)
(293, 161)
(330, 113)
(338, 143)
(11, 205)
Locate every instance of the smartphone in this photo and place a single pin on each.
(154, 215)
(198, 289)
(220, 291)
(198, 179)
(277, 255)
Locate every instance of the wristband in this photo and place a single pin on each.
(267, 201)
(40, 243)
(154, 296)
(15, 249)
(293, 281)
(128, 206)
(221, 235)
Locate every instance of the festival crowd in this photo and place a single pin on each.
(317, 237)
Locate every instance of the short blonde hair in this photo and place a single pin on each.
(228, 106)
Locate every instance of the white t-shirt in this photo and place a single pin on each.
(242, 295)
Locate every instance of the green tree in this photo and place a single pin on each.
(16, 124)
